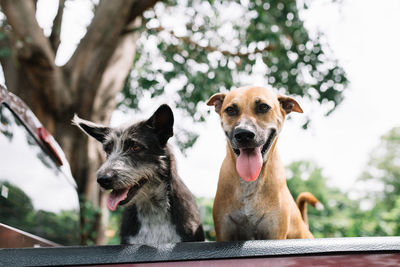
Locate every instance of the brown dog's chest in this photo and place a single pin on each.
(248, 223)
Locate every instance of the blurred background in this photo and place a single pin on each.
(116, 61)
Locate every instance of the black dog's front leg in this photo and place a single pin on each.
(130, 224)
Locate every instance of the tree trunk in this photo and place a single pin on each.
(87, 85)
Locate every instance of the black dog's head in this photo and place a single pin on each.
(136, 154)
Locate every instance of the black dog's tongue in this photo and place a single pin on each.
(116, 196)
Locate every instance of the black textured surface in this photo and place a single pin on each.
(195, 251)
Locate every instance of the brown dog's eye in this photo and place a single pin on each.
(262, 108)
(231, 111)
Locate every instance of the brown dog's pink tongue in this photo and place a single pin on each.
(115, 197)
(249, 163)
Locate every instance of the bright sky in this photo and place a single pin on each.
(363, 35)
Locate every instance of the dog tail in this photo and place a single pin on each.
(302, 200)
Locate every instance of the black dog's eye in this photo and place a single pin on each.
(108, 147)
(132, 146)
(262, 108)
(136, 148)
(231, 111)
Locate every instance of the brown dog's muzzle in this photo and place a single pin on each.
(243, 137)
(250, 148)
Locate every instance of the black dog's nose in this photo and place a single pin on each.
(243, 135)
(105, 180)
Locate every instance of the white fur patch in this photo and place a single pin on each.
(153, 213)
(156, 228)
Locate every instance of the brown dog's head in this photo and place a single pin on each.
(252, 118)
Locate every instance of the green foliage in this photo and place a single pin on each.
(336, 218)
(392, 218)
(378, 188)
(207, 51)
(18, 211)
(383, 169)
(205, 206)
(114, 226)
(89, 219)
(4, 51)
(380, 185)
(51, 225)
(186, 139)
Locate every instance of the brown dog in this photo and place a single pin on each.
(253, 200)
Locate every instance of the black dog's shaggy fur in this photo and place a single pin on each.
(141, 171)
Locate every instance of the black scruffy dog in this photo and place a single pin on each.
(141, 172)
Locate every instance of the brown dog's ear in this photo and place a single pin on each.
(216, 101)
(288, 104)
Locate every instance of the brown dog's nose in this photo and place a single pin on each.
(106, 180)
(243, 135)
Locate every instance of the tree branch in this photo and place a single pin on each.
(26, 30)
(34, 53)
(114, 76)
(139, 7)
(35, 4)
(95, 50)
(209, 48)
(56, 30)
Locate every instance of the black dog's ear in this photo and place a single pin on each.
(162, 121)
(99, 132)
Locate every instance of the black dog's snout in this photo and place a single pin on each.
(105, 180)
(243, 135)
